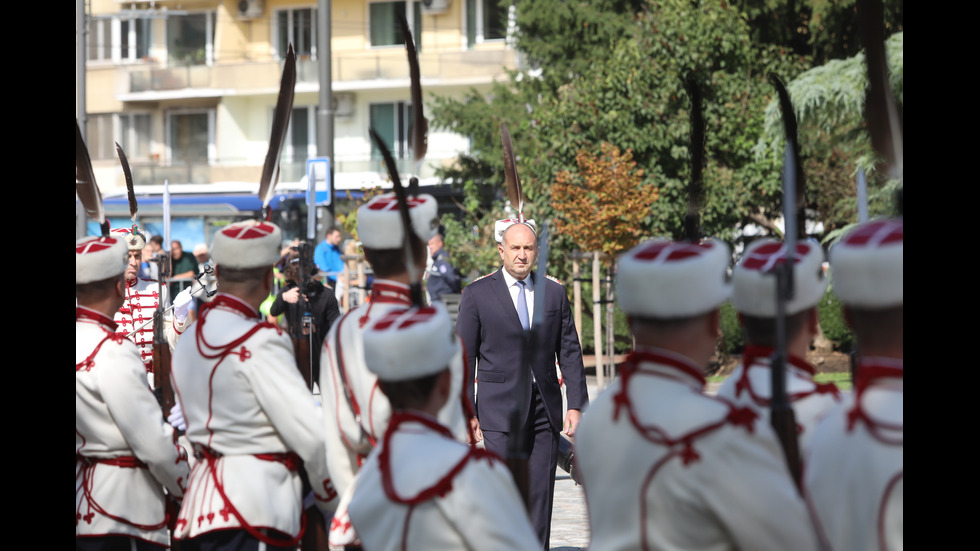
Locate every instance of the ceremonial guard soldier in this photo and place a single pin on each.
(855, 473)
(688, 471)
(252, 420)
(755, 300)
(125, 455)
(421, 488)
(357, 412)
(143, 297)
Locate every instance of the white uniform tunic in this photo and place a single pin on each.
(855, 473)
(752, 387)
(251, 418)
(142, 297)
(421, 489)
(357, 411)
(125, 454)
(667, 467)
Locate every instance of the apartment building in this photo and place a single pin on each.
(188, 87)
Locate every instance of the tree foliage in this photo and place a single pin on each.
(611, 72)
(602, 205)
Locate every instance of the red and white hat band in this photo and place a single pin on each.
(500, 226)
(664, 279)
(379, 222)
(248, 244)
(754, 277)
(867, 265)
(134, 238)
(410, 343)
(98, 258)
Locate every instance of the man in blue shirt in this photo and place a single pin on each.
(327, 256)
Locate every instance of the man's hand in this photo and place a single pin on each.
(571, 421)
(477, 433)
(182, 305)
(291, 296)
(176, 418)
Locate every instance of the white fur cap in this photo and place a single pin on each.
(410, 343)
(500, 226)
(664, 279)
(868, 265)
(248, 244)
(134, 238)
(98, 258)
(754, 277)
(379, 222)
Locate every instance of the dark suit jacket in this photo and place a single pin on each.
(492, 334)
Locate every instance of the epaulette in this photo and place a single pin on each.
(483, 276)
(555, 279)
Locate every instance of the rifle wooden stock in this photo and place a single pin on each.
(301, 345)
(783, 421)
(161, 366)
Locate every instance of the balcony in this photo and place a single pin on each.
(351, 71)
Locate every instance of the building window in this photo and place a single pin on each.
(134, 133)
(392, 122)
(116, 39)
(296, 27)
(384, 27)
(486, 20)
(98, 137)
(131, 130)
(190, 39)
(301, 139)
(190, 135)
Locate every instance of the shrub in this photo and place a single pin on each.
(833, 324)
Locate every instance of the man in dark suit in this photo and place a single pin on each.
(494, 312)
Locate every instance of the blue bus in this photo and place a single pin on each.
(198, 211)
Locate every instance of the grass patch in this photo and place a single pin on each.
(842, 380)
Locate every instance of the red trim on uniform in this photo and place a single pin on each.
(871, 371)
(444, 485)
(87, 473)
(679, 446)
(100, 320)
(754, 352)
(290, 460)
(882, 534)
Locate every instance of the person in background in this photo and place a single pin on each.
(182, 267)
(327, 256)
(441, 278)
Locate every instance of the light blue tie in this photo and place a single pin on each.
(522, 306)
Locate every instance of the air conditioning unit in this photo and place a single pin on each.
(343, 104)
(250, 9)
(432, 7)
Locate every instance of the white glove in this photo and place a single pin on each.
(176, 418)
(182, 305)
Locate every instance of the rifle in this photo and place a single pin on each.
(303, 320)
(162, 388)
(782, 416)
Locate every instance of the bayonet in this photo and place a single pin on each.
(782, 416)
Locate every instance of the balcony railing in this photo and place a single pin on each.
(355, 67)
